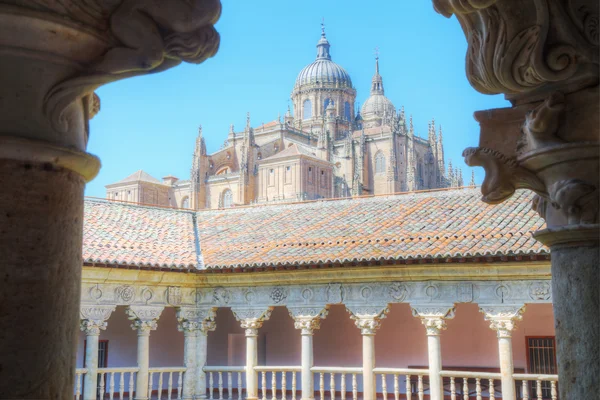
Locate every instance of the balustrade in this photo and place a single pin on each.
(537, 387)
(463, 384)
(79, 374)
(280, 377)
(338, 381)
(173, 381)
(231, 376)
(396, 376)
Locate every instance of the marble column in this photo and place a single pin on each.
(544, 57)
(195, 324)
(251, 320)
(503, 319)
(368, 320)
(93, 320)
(53, 56)
(434, 319)
(307, 320)
(145, 319)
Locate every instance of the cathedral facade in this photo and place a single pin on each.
(323, 149)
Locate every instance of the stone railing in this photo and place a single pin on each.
(111, 379)
(234, 376)
(166, 376)
(79, 374)
(348, 379)
(537, 387)
(280, 376)
(392, 378)
(464, 383)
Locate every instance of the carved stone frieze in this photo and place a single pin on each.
(433, 317)
(93, 318)
(145, 318)
(503, 317)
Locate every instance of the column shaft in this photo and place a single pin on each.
(41, 209)
(201, 352)
(90, 381)
(251, 362)
(143, 361)
(506, 368)
(189, 356)
(369, 388)
(308, 383)
(436, 385)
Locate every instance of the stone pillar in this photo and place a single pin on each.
(251, 319)
(368, 320)
(434, 318)
(54, 56)
(93, 319)
(195, 324)
(544, 57)
(307, 320)
(503, 320)
(145, 319)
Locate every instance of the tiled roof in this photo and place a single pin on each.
(428, 225)
(139, 176)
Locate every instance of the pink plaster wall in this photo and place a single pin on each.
(400, 342)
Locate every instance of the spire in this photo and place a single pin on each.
(323, 45)
(231, 129)
(377, 81)
(248, 120)
(200, 149)
(472, 183)
(411, 128)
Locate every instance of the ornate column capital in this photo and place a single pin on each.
(251, 319)
(145, 318)
(433, 317)
(367, 318)
(93, 318)
(307, 319)
(503, 318)
(196, 321)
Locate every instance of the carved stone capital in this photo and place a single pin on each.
(434, 317)
(503, 318)
(145, 318)
(367, 318)
(307, 318)
(251, 319)
(193, 320)
(93, 318)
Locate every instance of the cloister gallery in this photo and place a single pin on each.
(436, 255)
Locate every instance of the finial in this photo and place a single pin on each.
(472, 183)
(411, 123)
(199, 130)
(231, 129)
(323, 26)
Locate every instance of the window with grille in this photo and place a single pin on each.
(541, 359)
(379, 163)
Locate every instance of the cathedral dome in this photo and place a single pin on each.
(377, 105)
(323, 70)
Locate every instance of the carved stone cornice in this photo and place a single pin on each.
(528, 48)
(251, 319)
(503, 318)
(368, 318)
(145, 318)
(93, 318)
(433, 317)
(307, 319)
(192, 320)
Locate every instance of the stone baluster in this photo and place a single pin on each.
(251, 320)
(307, 320)
(368, 320)
(93, 320)
(195, 324)
(544, 57)
(503, 319)
(145, 319)
(434, 318)
(54, 56)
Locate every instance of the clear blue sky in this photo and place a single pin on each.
(151, 122)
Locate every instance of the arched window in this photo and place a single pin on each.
(185, 203)
(326, 103)
(347, 111)
(226, 198)
(379, 163)
(307, 109)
